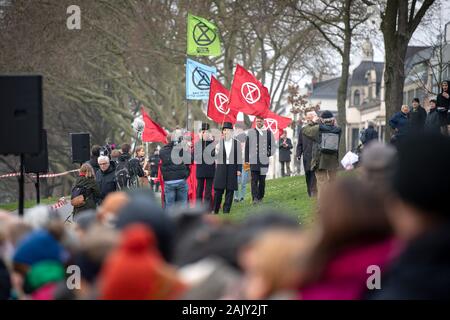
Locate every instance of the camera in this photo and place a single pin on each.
(106, 150)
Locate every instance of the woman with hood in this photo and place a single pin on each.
(443, 105)
(85, 190)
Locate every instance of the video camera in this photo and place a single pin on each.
(107, 149)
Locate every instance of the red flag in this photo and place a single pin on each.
(275, 123)
(218, 107)
(152, 131)
(248, 94)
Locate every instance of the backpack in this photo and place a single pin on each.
(125, 176)
(78, 197)
(329, 142)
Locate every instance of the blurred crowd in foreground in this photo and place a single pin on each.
(380, 233)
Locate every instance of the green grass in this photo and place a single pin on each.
(28, 204)
(287, 195)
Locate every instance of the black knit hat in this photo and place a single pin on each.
(227, 125)
(421, 176)
(326, 115)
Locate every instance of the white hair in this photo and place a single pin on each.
(103, 158)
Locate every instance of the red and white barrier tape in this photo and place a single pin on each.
(48, 175)
(61, 203)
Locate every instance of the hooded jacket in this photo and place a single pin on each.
(106, 181)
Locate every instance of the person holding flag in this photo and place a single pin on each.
(258, 149)
(228, 168)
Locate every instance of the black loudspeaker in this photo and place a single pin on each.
(81, 150)
(21, 121)
(38, 163)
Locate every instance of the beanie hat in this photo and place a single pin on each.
(43, 273)
(327, 115)
(38, 246)
(421, 177)
(136, 271)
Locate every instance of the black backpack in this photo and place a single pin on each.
(78, 196)
(125, 176)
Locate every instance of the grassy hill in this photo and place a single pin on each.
(28, 204)
(284, 194)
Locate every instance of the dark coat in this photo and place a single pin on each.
(106, 181)
(92, 193)
(154, 167)
(370, 134)
(420, 271)
(205, 167)
(285, 152)
(399, 121)
(443, 105)
(94, 164)
(226, 174)
(304, 147)
(417, 119)
(170, 170)
(135, 167)
(433, 122)
(258, 149)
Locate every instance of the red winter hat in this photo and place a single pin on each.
(136, 270)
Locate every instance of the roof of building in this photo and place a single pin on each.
(326, 89)
(359, 74)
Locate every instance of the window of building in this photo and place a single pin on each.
(356, 98)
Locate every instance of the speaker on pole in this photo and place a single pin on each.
(81, 150)
(38, 163)
(21, 119)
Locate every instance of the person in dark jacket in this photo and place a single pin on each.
(106, 177)
(175, 171)
(154, 163)
(304, 148)
(370, 134)
(399, 123)
(285, 146)
(5, 281)
(228, 168)
(421, 219)
(86, 181)
(258, 150)
(433, 121)
(204, 153)
(95, 153)
(443, 106)
(134, 167)
(417, 116)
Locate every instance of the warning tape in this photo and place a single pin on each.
(61, 203)
(48, 175)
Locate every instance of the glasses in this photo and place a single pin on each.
(103, 164)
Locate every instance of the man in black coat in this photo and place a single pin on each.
(417, 116)
(228, 168)
(421, 220)
(258, 150)
(106, 177)
(204, 156)
(370, 134)
(433, 121)
(154, 163)
(133, 165)
(285, 146)
(304, 147)
(95, 153)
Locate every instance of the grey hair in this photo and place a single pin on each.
(102, 158)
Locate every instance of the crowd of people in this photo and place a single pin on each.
(382, 233)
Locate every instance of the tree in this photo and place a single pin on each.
(399, 20)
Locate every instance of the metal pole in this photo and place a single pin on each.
(21, 186)
(38, 191)
(187, 115)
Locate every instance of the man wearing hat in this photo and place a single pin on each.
(258, 150)
(228, 168)
(204, 156)
(325, 158)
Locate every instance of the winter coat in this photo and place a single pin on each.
(399, 121)
(285, 152)
(94, 164)
(226, 174)
(443, 105)
(171, 171)
(205, 167)
(154, 167)
(320, 160)
(92, 193)
(135, 168)
(421, 271)
(345, 275)
(417, 119)
(258, 149)
(106, 181)
(305, 147)
(369, 134)
(433, 122)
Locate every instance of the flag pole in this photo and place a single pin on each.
(187, 115)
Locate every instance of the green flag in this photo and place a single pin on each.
(202, 37)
